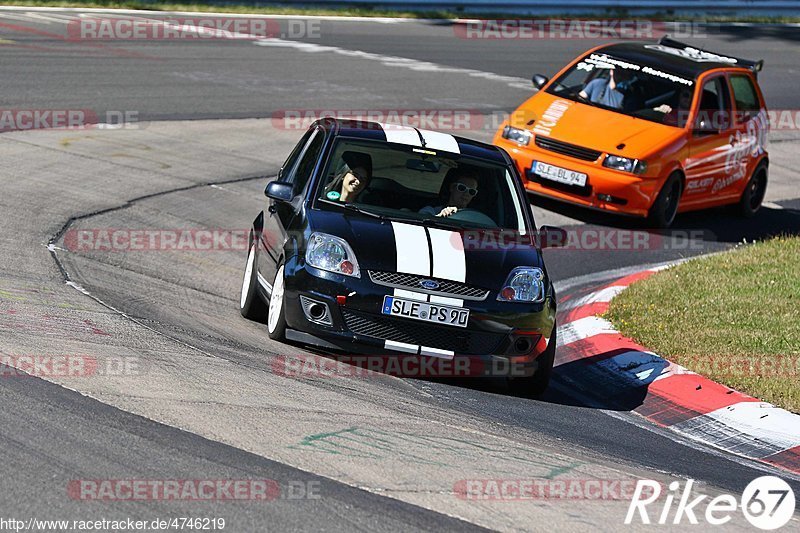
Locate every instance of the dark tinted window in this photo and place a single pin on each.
(288, 165)
(744, 94)
(308, 161)
(715, 105)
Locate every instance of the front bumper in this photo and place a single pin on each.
(606, 189)
(358, 327)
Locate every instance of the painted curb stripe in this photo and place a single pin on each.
(595, 358)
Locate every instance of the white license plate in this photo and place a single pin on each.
(561, 175)
(425, 311)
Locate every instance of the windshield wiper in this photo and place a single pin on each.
(438, 222)
(354, 208)
(577, 95)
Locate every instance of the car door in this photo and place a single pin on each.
(710, 143)
(278, 216)
(750, 130)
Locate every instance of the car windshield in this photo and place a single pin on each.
(623, 86)
(408, 183)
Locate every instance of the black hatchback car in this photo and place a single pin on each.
(391, 240)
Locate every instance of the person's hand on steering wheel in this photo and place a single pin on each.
(447, 211)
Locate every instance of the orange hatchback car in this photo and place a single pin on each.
(645, 129)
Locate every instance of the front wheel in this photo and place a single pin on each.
(535, 386)
(664, 209)
(276, 319)
(251, 306)
(753, 194)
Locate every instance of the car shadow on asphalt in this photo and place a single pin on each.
(721, 224)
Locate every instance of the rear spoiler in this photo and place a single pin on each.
(755, 66)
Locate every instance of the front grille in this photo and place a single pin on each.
(458, 340)
(452, 289)
(560, 147)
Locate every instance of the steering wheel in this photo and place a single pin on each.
(474, 216)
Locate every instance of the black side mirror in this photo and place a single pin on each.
(539, 81)
(552, 237)
(279, 190)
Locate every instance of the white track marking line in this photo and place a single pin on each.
(395, 61)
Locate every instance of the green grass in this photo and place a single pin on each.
(367, 11)
(734, 317)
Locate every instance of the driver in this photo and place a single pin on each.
(461, 187)
(609, 91)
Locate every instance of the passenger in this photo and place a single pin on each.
(352, 178)
(458, 189)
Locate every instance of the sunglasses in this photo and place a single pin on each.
(460, 187)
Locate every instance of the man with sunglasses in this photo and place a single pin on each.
(461, 187)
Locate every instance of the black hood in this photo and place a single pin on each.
(480, 258)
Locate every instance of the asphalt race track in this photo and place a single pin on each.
(205, 398)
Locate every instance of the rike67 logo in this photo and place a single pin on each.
(768, 502)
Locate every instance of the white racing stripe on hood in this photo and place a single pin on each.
(412, 249)
(413, 257)
(435, 140)
(449, 261)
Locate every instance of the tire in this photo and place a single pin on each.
(753, 194)
(276, 318)
(251, 306)
(663, 211)
(535, 386)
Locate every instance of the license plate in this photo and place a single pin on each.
(561, 175)
(425, 311)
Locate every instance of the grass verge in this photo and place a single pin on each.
(733, 317)
(370, 11)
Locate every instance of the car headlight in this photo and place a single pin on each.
(333, 254)
(517, 135)
(524, 284)
(625, 164)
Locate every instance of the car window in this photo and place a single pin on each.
(744, 94)
(307, 162)
(715, 105)
(623, 85)
(406, 183)
(289, 164)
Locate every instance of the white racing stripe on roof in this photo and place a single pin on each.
(435, 140)
(401, 134)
